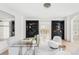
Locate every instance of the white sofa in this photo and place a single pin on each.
(13, 50)
(57, 40)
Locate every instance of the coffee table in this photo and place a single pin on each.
(22, 44)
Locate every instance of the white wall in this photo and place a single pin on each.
(68, 21)
(68, 28)
(75, 28)
(19, 27)
(4, 30)
(45, 23)
(20, 23)
(44, 30)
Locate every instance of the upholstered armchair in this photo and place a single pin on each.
(56, 42)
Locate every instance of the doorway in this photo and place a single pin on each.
(75, 29)
(57, 29)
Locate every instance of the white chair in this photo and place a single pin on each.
(57, 40)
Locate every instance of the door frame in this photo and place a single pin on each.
(72, 33)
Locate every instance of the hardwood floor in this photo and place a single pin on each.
(5, 53)
(71, 46)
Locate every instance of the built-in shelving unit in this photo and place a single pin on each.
(57, 29)
(32, 28)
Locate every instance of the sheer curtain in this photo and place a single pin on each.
(4, 30)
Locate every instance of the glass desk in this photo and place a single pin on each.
(29, 47)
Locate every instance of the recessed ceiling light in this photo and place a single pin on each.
(47, 5)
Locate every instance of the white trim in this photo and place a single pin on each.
(9, 11)
(32, 19)
(74, 18)
(72, 30)
(7, 19)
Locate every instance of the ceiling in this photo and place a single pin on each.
(5, 15)
(37, 10)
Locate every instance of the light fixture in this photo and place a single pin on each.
(0, 20)
(47, 5)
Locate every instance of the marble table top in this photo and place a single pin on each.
(23, 44)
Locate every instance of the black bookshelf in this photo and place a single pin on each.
(57, 29)
(32, 28)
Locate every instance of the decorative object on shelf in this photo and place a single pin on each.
(28, 40)
(47, 5)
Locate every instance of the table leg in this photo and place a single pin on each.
(20, 50)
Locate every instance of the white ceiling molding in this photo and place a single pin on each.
(37, 10)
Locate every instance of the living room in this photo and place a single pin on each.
(36, 23)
